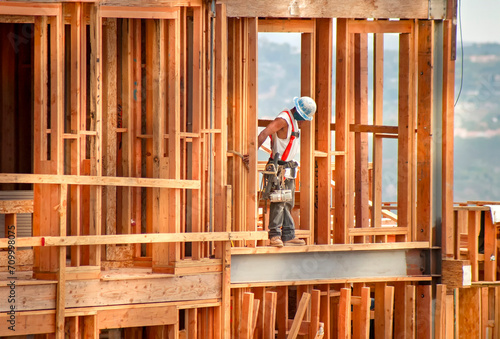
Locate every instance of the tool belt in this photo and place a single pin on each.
(274, 176)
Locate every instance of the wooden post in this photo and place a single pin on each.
(405, 132)
(76, 115)
(423, 323)
(220, 118)
(323, 87)
(315, 309)
(341, 131)
(270, 315)
(251, 126)
(344, 317)
(440, 314)
(365, 313)
(378, 110)
(361, 139)
(173, 108)
(161, 206)
(447, 234)
(410, 306)
(196, 195)
(473, 228)
(282, 311)
(307, 137)
(247, 316)
(424, 130)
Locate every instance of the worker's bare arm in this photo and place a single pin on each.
(273, 127)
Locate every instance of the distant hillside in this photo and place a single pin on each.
(477, 114)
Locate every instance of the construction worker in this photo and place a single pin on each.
(285, 142)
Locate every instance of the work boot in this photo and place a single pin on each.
(276, 241)
(294, 242)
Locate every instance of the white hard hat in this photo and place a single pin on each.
(305, 106)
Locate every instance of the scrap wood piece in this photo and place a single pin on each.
(301, 310)
(256, 304)
(246, 328)
(270, 314)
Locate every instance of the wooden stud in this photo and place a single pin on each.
(496, 318)
(378, 110)
(270, 315)
(342, 121)
(315, 308)
(76, 115)
(220, 115)
(251, 126)
(344, 318)
(127, 141)
(323, 87)
(95, 209)
(365, 313)
(449, 315)
(410, 313)
(404, 134)
(484, 311)
(440, 314)
(247, 316)
(400, 296)
(282, 311)
(61, 273)
(326, 310)
(490, 248)
(174, 128)
(474, 224)
(192, 323)
(447, 234)
(380, 324)
(423, 323)
(196, 196)
(307, 137)
(137, 122)
(361, 139)
(109, 115)
(424, 129)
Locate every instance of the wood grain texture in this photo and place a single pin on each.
(328, 9)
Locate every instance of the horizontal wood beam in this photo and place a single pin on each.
(418, 9)
(93, 296)
(29, 8)
(370, 128)
(332, 248)
(377, 230)
(28, 323)
(97, 181)
(285, 26)
(17, 19)
(139, 13)
(16, 206)
(385, 26)
(135, 238)
(137, 317)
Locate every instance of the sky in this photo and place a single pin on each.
(480, 23)
(480, 20)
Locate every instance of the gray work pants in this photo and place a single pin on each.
(280, 217)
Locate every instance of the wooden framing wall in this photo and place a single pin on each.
(140, 115)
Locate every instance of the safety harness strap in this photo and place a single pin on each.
(292, 138)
